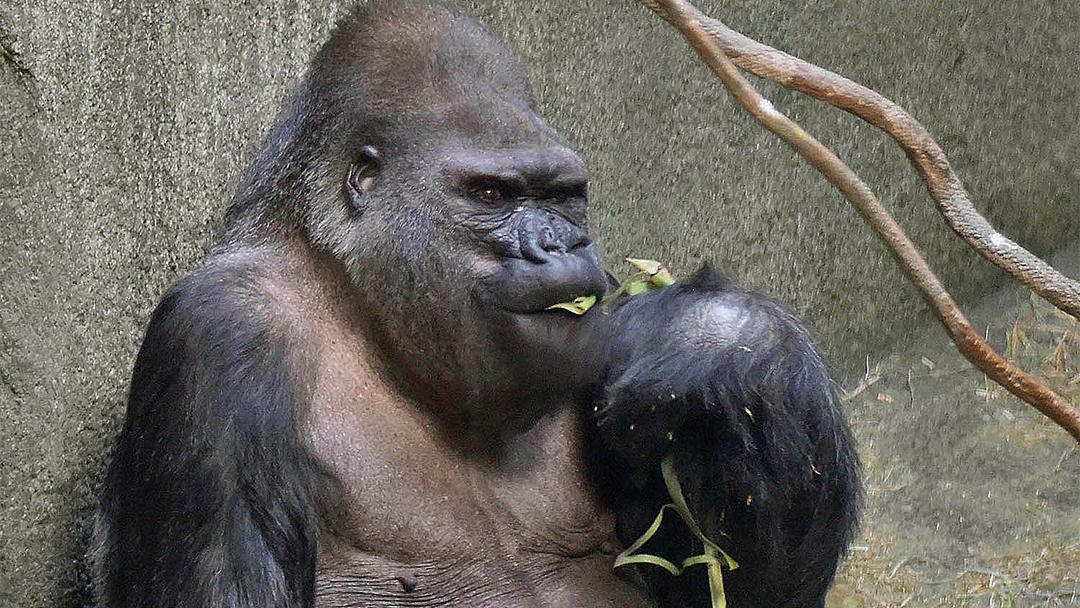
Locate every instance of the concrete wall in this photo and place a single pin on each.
(124, 127)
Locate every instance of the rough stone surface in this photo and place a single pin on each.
(124, 127)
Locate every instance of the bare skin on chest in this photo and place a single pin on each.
(415, 520)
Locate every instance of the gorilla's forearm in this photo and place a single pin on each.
(729, 382)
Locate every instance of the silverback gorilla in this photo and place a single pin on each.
(360, 399)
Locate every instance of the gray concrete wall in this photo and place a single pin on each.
(124, 127)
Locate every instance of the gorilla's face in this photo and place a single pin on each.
(473, 244)
(523, 211)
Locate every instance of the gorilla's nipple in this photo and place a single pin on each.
(408, 582)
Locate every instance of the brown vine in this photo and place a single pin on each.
(692, 23)
(925, 154)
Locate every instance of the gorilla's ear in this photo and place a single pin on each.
(363, 175)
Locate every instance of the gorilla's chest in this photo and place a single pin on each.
(414, 522)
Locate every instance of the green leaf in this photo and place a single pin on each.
(633, 288)
(662, 278)
(659, 275)
(649, 267)
(712, 557)
(579, 305)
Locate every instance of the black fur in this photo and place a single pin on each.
(762, 449)
(208, 501)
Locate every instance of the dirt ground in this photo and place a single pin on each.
(972, 497)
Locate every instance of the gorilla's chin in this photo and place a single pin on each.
(526, 287)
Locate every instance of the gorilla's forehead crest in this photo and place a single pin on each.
(410, 65)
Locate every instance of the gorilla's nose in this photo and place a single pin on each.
(543, 238)
(564, 243)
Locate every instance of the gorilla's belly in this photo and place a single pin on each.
(525, 581)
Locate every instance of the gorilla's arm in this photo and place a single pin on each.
(208, 501)
(729, 382)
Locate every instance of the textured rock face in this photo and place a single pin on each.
(124, 127)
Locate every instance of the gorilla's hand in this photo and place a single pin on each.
(730, 383)
(698, 351)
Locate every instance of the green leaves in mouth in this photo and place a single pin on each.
(649, 275)
(579, 305)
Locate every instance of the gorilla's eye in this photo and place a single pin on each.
(488, 194)
(494, 189)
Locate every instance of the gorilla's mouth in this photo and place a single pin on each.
(525, 287)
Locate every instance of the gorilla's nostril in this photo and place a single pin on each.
(574, 242)
(554, 246)
(545, 243)
(534, 250)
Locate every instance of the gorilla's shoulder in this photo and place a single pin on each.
(238, 294)
(211, 345)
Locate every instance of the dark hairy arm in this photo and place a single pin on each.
(208, 500)
(728, 382)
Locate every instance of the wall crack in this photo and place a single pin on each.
(11, 55)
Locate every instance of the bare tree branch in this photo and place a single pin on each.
(925, 154)
(1025, 386)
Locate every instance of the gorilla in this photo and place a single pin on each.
(362, 398)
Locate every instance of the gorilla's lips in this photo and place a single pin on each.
(529, 287)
